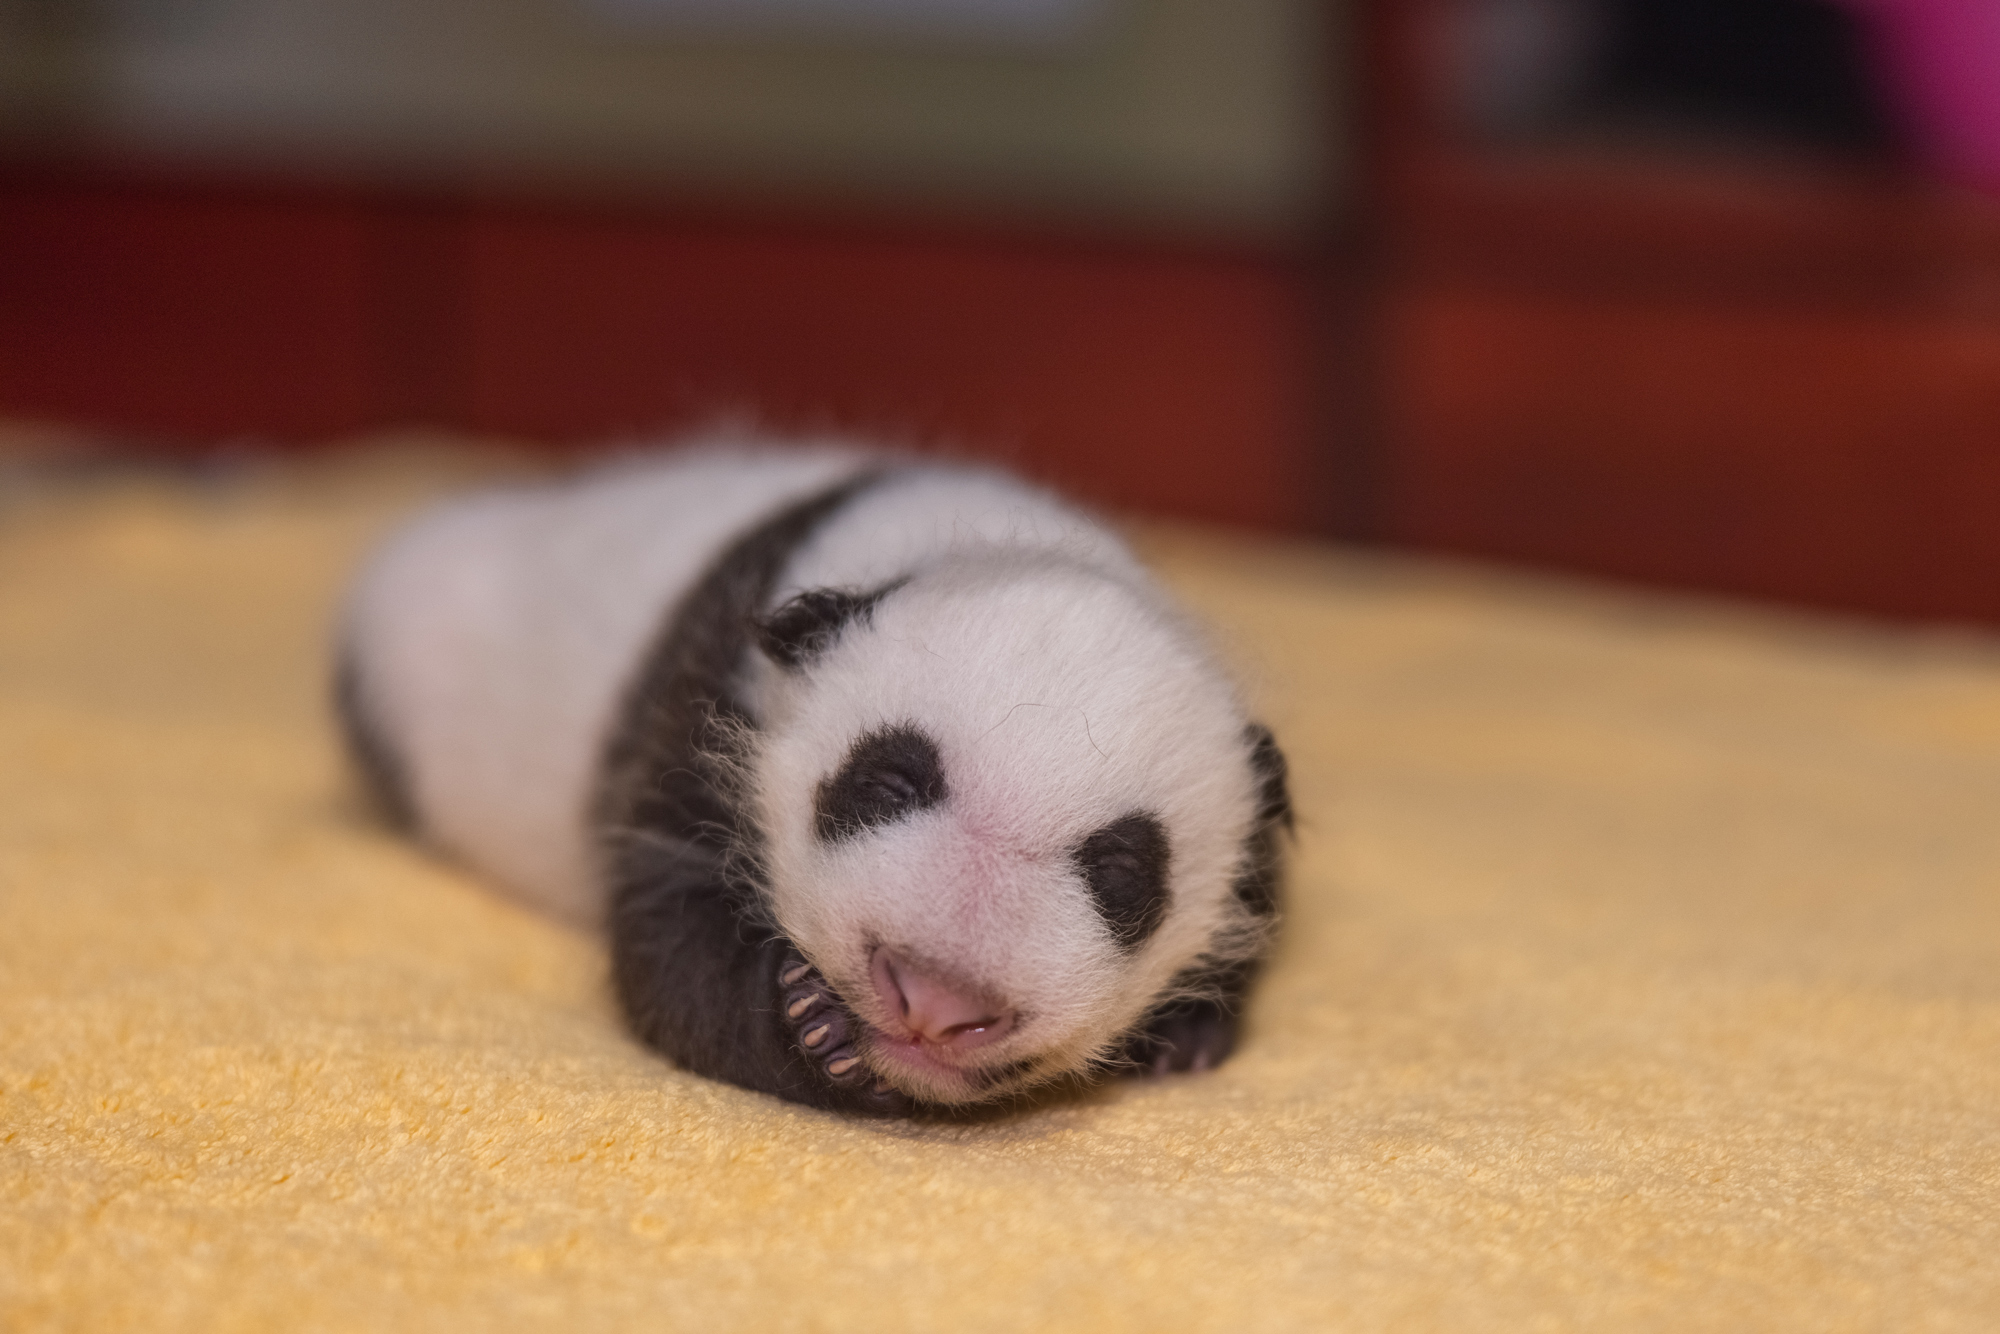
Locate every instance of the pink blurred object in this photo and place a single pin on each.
(1940, 62)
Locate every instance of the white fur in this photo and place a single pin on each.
(496, 634)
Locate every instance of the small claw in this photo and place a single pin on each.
(801, 1005)
(793, 972)
(817, 1036)
(840, 1065)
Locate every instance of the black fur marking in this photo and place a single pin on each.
(1257, 878)
(808, 625)
(1274, 798)
(382, 771)
(888, 775)
(1125, 865)
(1199, 1033)
(694, 959)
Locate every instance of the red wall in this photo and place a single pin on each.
(1785, 392)
(188, 313)
(1846, 458)
(1172, 378)
(1689, 373)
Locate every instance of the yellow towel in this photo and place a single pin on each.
(1642, 970)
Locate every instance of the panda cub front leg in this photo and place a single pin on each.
(1192, 1035)
(704, 982)
(1197, 1032)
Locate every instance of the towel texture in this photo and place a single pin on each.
(1642, 970)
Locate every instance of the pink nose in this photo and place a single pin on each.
(936, 1010)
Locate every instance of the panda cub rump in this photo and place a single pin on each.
(913, 787)
(487, 643)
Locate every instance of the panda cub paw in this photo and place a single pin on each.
(824, 1033)
(1195, 1036)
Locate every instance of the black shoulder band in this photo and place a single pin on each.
(662, 773)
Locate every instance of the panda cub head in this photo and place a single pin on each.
(1008, 806)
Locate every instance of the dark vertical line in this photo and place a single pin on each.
(423, 310)
(1349, 279)
(1350, 478)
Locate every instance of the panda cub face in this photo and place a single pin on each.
(1002, 806)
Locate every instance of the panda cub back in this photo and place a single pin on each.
(893, 784)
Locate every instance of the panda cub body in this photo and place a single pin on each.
(892, 783)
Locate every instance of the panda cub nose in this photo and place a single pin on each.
(936, 1009)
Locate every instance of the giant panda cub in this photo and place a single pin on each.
(894, 784)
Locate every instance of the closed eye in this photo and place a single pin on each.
(889, 788)
(1125, 866)
(887, 776)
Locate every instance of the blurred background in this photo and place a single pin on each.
(1703, 293)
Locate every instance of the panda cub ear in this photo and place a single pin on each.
(1274, 798)
(805, 627)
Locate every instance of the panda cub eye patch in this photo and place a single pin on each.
(1125, 865)
(888, 774)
